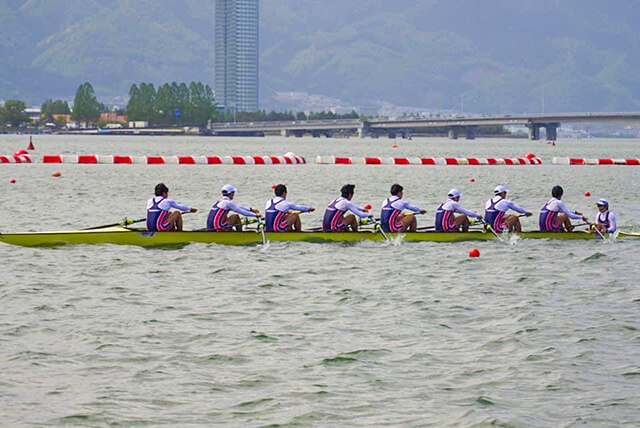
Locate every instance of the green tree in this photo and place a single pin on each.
(133, 106)
(13, 113)
(86, 107)
(51, 107)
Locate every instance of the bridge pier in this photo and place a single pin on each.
(471, 132)
(405, 133)
(453, 133)
(391, 134)
(552, 131)
(534, 131)
(298, 134)
(315, 134)
(285, 133)
(364, 129)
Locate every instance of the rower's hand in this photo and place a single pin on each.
(255, 211)
(480, 218)
(585, 219)
(193, 210)
(423, 212)
(528, 214)
(311, 209)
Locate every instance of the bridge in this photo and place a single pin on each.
(455, 126)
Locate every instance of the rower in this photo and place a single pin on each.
(447, 221)
(392, 219)
(496, 208)
(605, 219)
(160, 218)
(555, 216)
(278, 215)
(219, 219)
(334, 219)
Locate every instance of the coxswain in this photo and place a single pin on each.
(446, 218)
(278, 215)
(219, 219)
(555, 216)
(605, 219)
(495, 214)
(392, 219)
(160, 218)
(335, 220)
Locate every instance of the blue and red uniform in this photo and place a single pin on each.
(493, 216)
(549, 215)
(332, 220)
(158, 209)
(445, 215)
(156, 217)
(276, 213)
(391, 213)
(217, 219)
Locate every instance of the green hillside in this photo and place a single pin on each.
(499, 55)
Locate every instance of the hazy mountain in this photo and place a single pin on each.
(499, 55)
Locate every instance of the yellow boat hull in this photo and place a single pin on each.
(123, 236)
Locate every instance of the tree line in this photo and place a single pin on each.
(263, 116)
(172, 104)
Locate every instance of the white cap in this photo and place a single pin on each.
(602, 201)
(454, 193)
(228, 188)
(500, 189)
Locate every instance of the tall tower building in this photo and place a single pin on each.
(236, 54)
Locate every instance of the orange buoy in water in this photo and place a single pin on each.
(13, 181)
(587, 194)
(394, 145)
(474, 252)
(56, 174)
(273, 186)
(473, 180)
(367, 207)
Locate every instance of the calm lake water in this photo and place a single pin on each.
(535, 334)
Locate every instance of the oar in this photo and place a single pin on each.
(261, 229)
(125, 222)
(489, 228)
(595, 229)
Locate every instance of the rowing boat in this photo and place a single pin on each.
(129, 236)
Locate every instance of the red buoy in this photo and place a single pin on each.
(273, 186)
(20, 152)
(367, 207)
(56, 174)
(529, 155)
(587, 194)
(30, 147)
(473, 180)
(474, 252)
(13, 181)
(394, 145)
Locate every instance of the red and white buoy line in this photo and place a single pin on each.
(600, 161)
(334, 160)
(287, 159)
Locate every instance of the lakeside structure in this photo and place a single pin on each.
(236, 54)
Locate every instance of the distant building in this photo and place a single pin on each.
(33, 113)
(236, 54)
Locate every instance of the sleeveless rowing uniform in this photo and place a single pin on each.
(390, 216)
(604, 221)
(445, 220)
(217, 220)
(275, 220)
(548, 219)
(494, 216)
(332, 220)
(157, 217)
